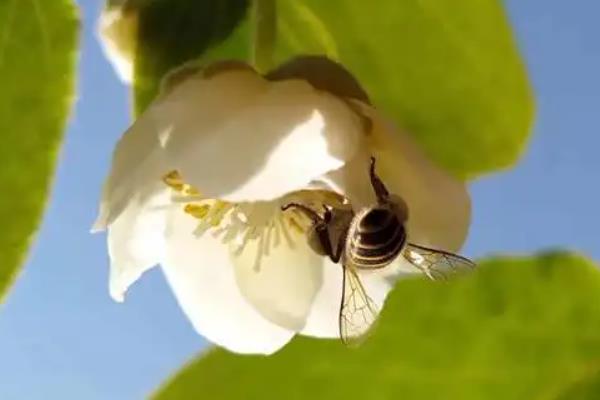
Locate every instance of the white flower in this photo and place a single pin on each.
(197, 183)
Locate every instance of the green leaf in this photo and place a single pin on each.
(448, 73)
(587, 388)
(516, 329)
(37, 76)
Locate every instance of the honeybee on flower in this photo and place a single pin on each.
(200, 183)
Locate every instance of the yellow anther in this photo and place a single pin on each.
(198, 211)
(190, 191)
(174, 181)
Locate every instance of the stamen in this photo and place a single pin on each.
(219, 209)
(259, 252)
(248, 234)
(190, 191)
(237, 224)
(233, 229)
(174, 181)
(269, 234)
(277, 231)
(178, 197)
(295, 224)
(198, 211)
(218, 232)
(285, 233)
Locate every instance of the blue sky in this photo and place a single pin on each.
(62, 337)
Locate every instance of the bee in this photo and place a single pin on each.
(369, 240)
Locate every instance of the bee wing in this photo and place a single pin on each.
(436, 264)
(358, 311)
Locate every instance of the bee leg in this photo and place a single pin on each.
(334, 254)
(378, 186)
(337, 254)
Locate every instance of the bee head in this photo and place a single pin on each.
(327, 235)
(314, 239)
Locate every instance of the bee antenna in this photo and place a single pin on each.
(378, 186)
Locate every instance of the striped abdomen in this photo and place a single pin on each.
(375, 238)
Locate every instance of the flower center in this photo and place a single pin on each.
(240, 223)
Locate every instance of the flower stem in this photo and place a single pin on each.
(264, 18)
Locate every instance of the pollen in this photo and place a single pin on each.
(197, 211)
(174, 180)
(209, 213)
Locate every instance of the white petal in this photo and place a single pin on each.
(139, 158)
(323, 318)
(281, 282)
(439, 205)
(200, 273)
(137, 166)
(246, 143)
(352, 180)
(136, 242)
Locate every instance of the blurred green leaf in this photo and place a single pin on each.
(587, 388)
(37, 75)
(517, 329)
(449, 73)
